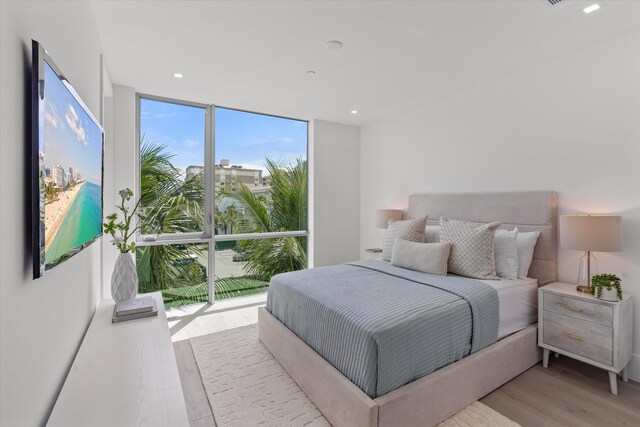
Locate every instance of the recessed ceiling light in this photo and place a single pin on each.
(311, 73)
(177, 75)
(591, 8)
(334, 45)
(354, 111)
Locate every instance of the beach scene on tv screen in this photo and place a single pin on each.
(71, 169)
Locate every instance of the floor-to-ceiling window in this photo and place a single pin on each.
(211, 177)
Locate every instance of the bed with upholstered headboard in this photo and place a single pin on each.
(440, 394)
(528, 211)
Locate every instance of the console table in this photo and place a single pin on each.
(124, 374)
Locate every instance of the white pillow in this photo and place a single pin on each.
(505, 249)
(526, 244)
(432, 234)
(426, 257)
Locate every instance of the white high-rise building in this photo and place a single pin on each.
(57, 174)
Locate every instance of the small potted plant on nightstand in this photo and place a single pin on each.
(606, 287)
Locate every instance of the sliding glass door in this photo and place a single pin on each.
(225, 195)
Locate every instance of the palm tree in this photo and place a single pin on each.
(170, 205)
(230, 218)
(287, 211)
(50, 191)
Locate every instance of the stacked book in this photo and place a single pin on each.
(135, 308)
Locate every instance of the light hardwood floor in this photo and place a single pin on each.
(568, 393)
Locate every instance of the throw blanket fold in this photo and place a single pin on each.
(382, 326)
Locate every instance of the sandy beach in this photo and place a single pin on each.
(55, 212)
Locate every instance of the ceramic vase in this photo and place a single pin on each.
(124, 280)
(609, 295)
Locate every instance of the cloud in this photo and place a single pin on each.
(51, 119)
(51, 116)
(160, 115)
(75, 125)
(190, 143)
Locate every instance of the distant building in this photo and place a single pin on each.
(226, 176)
(71, 175)
(262, 189)
(58, 176)
(194, 171)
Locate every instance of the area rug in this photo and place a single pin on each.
(246, 386)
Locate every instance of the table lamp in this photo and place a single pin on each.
(384, 215)
(590, 233)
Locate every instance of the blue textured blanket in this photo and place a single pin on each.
(383, 326)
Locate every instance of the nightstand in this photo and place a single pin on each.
(373, 253)
(585, 328)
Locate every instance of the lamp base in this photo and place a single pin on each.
(584, 289)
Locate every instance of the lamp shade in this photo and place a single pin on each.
(384, 215)
(597, 233)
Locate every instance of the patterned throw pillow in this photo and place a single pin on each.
(410, 229)
(471, 247)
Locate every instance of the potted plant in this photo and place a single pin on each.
(606, 287)
(124, 280)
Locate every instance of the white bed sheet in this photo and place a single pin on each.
(518, 304)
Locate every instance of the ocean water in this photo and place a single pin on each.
(82, 223)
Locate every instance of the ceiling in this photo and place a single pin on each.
(255, 55)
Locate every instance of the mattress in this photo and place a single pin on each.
(518, 304)
(383, 326)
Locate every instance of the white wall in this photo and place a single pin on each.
(336, 193)
(108, 197)
(42, 321)
(120, 163)
(571, 125)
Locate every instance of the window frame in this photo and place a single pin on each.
(208, 235)
(177, 237)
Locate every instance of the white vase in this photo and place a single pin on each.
(609, 295)
(124, 280)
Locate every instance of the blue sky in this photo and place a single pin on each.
(242, 138)
(70, 136)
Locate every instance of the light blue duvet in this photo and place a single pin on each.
(383, 326)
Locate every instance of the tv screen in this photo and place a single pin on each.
(67, 178)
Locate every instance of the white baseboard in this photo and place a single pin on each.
(634, 368)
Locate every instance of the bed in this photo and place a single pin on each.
(359, 391)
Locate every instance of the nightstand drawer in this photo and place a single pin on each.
(579, 309)
(580, 337)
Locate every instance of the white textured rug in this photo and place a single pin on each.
(246, 386)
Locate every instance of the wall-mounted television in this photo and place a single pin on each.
(67, 148)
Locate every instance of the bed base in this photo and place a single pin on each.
(426, 401)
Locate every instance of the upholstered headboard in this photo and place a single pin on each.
(527, 210)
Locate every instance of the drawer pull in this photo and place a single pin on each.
(576, 309)
(573, 337)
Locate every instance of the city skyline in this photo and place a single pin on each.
(70, 136)
(69, 170)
